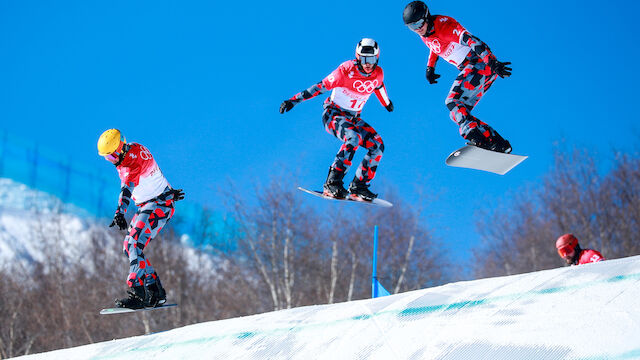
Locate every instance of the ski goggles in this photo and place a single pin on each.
(368, 60)
(113, 157)
(565, 251)
(416, 25)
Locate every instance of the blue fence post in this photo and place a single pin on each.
(377, 289)
(374, 278)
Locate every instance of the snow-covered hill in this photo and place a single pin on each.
(28, 218)
(584, 312)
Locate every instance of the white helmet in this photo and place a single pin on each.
(367, 52)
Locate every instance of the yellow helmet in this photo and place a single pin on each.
(110, 141)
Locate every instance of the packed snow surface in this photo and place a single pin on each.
(582, 312)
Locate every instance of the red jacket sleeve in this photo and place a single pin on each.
(381, 94)
(433, 58)
(328, 83)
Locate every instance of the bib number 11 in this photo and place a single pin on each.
(356, 105)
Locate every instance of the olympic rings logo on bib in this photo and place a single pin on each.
(145, 154)
(435, 46)
(366, 86)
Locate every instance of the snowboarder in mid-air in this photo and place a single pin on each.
(143, 182)
(351, 83)
(479, 68)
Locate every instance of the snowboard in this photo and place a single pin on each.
(376, 201)
(110, 311)
(473, 157)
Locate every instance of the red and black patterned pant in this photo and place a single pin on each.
(145, 225)
(474, 79)
(353, 132)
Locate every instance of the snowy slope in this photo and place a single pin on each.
(585, 312)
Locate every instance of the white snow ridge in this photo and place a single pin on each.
(583, 312)
(29, 217)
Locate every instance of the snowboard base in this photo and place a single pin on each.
(110, 311)
(473, 157)
(376, 201)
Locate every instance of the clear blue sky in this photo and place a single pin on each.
(200, 83)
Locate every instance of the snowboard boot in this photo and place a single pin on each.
(359, 190)
(135, 299)
(156, 296)
(499, 144)
(476, 138)
(494, 142)
(334, 187)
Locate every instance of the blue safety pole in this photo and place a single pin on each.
(376, 288)
(374, 279)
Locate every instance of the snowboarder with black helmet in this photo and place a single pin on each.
(352, 84)
(569, 249)
(479, 68)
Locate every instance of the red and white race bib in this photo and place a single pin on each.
(351, 89)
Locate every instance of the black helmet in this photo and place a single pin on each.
(415, 11)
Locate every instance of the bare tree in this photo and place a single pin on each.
(271, 236)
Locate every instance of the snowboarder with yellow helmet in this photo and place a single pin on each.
(143, 182)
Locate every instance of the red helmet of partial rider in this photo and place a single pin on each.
(566, 244)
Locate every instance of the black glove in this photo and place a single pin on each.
(178, 194)
(500, 68)
(119, 220)
(286, 106)
(432, 77)
(389, 107)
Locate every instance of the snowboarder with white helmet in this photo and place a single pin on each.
(143, 182)
(479, 68)
(351, 83)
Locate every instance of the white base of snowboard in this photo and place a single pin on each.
(127, 310)
(473, 157)
(376, 201)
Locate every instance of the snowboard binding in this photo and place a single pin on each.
(494, 142)
(359, 190)
(139, 297)
(333, 186)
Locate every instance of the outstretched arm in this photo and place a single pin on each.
(313, 91)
